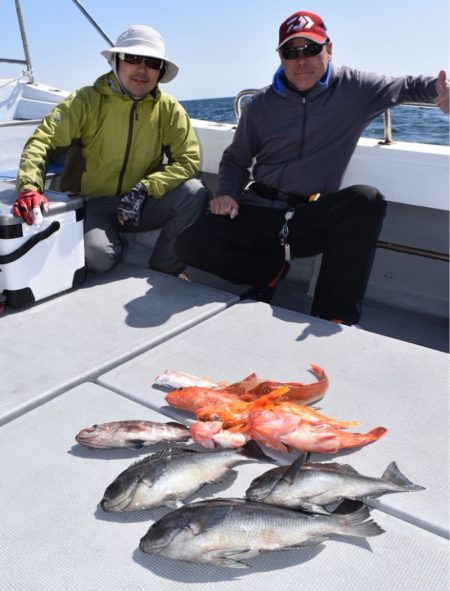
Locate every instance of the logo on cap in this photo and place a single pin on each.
(298, 23)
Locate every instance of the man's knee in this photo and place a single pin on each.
(371, 194)
(100, 259)
(196, 193)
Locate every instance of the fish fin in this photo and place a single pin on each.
(392, 474)
(332, 466)
(252, 450)
(173, 504)
(357, 519)
(172, 451)
(312, 541)
(312, 508)
(225, 558)
(208, 520)
(292, 470)
(175, 424)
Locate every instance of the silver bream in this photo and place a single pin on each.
(171, 475)
(311, 486)
(226, 531)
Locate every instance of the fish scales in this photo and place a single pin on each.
(169, 476)
(131, 434)
(312, 486)
(226, 531)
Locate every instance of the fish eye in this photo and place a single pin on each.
(266, 390)
(94, 426)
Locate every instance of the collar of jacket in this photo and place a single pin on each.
(109, 84)
(280, 86)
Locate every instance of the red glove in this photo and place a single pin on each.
(26, 202)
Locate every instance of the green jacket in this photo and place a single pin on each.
(112, 142)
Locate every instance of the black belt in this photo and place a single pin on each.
(274, 194)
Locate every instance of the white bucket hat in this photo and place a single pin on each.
(145, 41)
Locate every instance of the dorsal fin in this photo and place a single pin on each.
(292, 471)
(333, 467)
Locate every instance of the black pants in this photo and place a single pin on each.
(342, 225)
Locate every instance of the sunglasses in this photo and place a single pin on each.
(151, 62)
(308, 50)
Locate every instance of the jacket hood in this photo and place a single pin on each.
(279, 82)
(108, 84)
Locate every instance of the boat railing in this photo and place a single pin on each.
(388, 137)
(27, 61)
(388, 140)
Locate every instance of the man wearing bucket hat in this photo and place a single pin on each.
(130, 150)
(298, 135)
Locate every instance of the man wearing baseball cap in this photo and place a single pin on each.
(131, 152)
(298, 135)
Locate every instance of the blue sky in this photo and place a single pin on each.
(223, 46)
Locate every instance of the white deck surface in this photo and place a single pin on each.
(54, 535)
(66, 339)
(374, 379)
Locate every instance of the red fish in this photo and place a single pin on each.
(303, 393)
(248, 390)
(196, 397)
(211, 434)
(282, 431)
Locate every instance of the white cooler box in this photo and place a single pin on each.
(37, 262)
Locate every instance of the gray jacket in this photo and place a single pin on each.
(302, 142)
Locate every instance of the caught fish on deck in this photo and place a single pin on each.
(224, 532)
(211, 434)
(298, 392)
(173, 378)
(169, 476)
(283, 431)
(193, 398)
(236, 412)
(311, 486)
(131, 434)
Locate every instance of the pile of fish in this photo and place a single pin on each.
(272, 413)
(287, 506)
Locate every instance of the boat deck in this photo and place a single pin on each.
(91, 355)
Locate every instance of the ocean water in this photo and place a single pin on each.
(409, 124)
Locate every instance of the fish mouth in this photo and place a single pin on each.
(118, 503)
(144, 546)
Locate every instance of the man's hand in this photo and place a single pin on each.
(224, 205)
(30, 205)
(443, 92)
(130, 206)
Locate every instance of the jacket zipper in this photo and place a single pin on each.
(127, 149)
(302, 143)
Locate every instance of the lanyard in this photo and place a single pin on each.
(284, 233)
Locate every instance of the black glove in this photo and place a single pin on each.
(130, 206)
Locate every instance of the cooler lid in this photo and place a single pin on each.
(58, 203)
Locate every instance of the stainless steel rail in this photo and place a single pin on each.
(387, 140)
(27, 61)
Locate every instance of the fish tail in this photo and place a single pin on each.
(357, 439)
(252, 450)
(355, 517)
(393, 475)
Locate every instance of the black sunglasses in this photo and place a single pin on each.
(308, 50)
(151, 62)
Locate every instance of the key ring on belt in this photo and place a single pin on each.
(284, 233)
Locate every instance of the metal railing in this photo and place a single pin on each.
(387, 123)
(388, 140)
